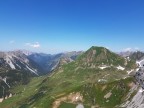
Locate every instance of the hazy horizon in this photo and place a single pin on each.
(60, 25)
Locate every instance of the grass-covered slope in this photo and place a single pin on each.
(97, 56)
(82, 79)
(35, 94)
(21, 93)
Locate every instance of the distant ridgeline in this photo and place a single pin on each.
(96, 78)
(18, 67)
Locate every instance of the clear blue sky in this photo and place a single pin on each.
(53, 26)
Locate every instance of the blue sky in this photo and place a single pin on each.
(54, 26)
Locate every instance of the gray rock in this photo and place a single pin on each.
(80, 106)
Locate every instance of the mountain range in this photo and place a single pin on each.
(36, 63)
(97, 78)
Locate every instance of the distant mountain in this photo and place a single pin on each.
(17, 60)
(15, 69)
(49, 62)
(35, 63)
(26, 52)
(72, 55)
(135, 55)
(69, 57)
(18, 67)
(126, 53)
(46, 61)
(138, 55)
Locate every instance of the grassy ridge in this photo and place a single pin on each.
(32, 97)
(81, 76)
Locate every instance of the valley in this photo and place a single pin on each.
(98, 78)
(71, 54)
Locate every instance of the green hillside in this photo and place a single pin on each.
(82, 79)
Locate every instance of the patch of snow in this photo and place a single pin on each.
(103, 67)
(120, 68)
(130, 71)
(128, 58)
(11, 65)
(31, 70)
(102, 80)
(140, 63)
(77, 98)
(140, 90)
(137, 69)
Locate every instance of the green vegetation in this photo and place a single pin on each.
(93, 94)
(67, 105)
(81, 76)
(21, 93)
(100, 55)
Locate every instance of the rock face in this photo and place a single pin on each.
(138, 100)
(17, 60)
(80, 106)
(35, 63)
(137, 55)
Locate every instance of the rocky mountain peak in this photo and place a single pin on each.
(101, 56)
